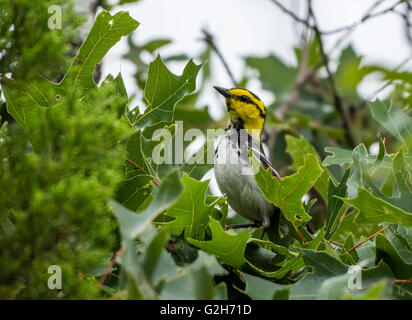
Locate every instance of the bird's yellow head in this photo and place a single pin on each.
(245, 110)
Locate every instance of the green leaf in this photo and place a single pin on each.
(197, 165)
(337, 287)
(192, 116)
(229, 248)
(393, 119)
(386, 251)
(261, 289)
(324, 267)
(161, 154)
(338, 156)
(299, 148)
(335, 204)
(286, 193)
(375, 206)
(352, 257)
(195, 281)
(105, 33)
(153, 254)
(153, 45)
(26, 101)
(401, 171)
(375, 210)
(374, 293)
(349, 74)
(137, 185)
(402, 245)
(273, 247)
(132, 224)
(262, 262)
(275, 76)
(191, 212)
(163, 90)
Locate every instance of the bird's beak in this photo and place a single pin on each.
(224, 92)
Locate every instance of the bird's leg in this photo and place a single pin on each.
(263, 233)
(266, 224)
(237, 226)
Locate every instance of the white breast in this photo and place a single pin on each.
(232, 171)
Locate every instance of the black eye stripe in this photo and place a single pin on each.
(245, 99)
(239, 98)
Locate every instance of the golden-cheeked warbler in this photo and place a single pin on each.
(233, 169)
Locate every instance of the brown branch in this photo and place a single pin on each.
(110, 266)
(408, 24)
(367, 239)
(134, 164)
(337, 99)
(401, 281)
(390, 282)
(303, 75)
(296, 92)
(292, 14)
(368, 15)
(208, 38)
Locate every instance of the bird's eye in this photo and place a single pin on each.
(244, 99)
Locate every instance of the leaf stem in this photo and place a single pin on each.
(370, 237)
(299, 234)
(134, 164)
(110, 266)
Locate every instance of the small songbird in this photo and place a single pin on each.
(232, 164)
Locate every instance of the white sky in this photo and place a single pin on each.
(258, 28)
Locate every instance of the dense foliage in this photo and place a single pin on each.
(79, 187)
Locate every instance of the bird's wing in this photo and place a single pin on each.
(264, 161)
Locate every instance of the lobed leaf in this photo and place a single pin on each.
(286, 193)
(229, 248)
(191, 212)
(299, 148)
(163, 90)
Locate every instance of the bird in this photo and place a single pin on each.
(232, 167)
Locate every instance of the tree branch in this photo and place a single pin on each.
(337, 100)
(303, 75)
(368, 15)
(208, 38)
(110, 266)
(292, 14)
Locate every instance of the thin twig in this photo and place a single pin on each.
(408, 24)
(386, 84)
(110, 266)
(337, 100)
(134, 164)
(303, 75)
(367, 239)
(211, 42)
(368, 15)
(344, 214)
(292, 14)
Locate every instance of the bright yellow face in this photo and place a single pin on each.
(244, 105)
